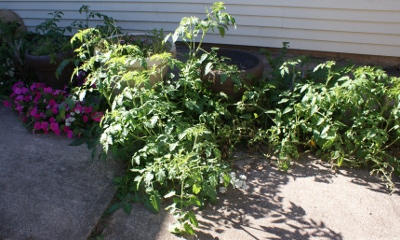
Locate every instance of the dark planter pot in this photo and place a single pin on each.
(46, 72)
(250, 65)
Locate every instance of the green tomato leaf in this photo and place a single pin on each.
(148, 178)
(287, 110)
(155, 202)
(193, 219)
(196, 188)
(170, 194)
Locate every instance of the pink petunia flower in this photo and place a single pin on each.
(85, 118)
(19, 98)
(27, 98)
(18, 107)
(34, 113)
(17, 85)
(24, 90)
(54, 110)
(66, 129)
(78, 108)
(18, 91)
(7, 103)
(96, 116)
(55, 127)
(88, 109)
(37, 98)
(47, 90)
(52, 102)
(45, 127)
(37, 125)
(70, 133)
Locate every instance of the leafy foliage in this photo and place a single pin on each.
(170, 132)
(12, 49)
(175, 134)
(349, 115)
(49, 38)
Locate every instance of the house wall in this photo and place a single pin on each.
(357, 26)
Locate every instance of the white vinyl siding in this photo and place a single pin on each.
(351, 26)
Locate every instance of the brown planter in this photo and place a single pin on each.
(46, 72)
(250, 65)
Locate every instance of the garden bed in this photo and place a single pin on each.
(176, 135)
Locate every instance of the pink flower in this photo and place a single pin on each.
(47, 90)
(18, 107)
(45, 126)
(52, 102)
(70, 133)
(54, 110)
(85, 118)
(59, 92)
(57, 132)
(96, 116)
(34, 113)
(55, 127)
(27, 98)
(19, 98)
(37, 98)
(88, 109)
(17, 90)
(24, 90)
(78, 108)
(7, 103)
(37, 126)
(33, 87)
(17, 84)
(66, 129)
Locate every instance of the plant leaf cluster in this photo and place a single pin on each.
(176, 134)
(349, 115)
(170, 132)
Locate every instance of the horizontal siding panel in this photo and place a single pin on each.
(346, 37)
(356, 26)
(336, 4)
(313, 45)
(359, 27)
(343, 14)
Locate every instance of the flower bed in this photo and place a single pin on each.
(49, 110)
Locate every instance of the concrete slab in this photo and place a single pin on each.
(49, 190)
(308, 202)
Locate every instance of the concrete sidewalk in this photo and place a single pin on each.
(308, 202)
(49, 190)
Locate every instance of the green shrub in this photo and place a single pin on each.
(12, 47)
(170, 131)
(349, 115)
(176, 134)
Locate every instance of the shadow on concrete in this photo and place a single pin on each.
(262, 212)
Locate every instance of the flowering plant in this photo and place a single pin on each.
(52, 110)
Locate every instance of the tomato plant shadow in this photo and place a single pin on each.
(263, 212)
